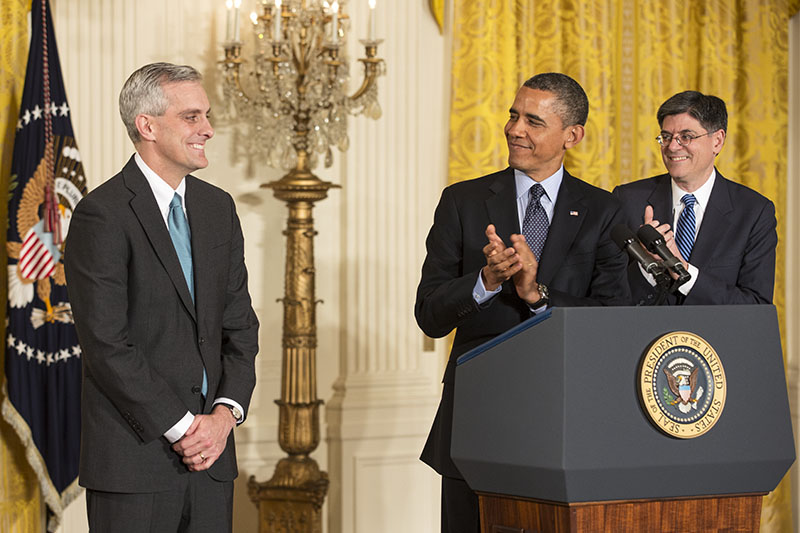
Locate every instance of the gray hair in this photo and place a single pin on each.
(706, 109)
(573, 105)
(143, 92)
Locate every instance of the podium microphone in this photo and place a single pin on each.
(654, 242)
(626, 240)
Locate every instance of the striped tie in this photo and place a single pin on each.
(685, 233)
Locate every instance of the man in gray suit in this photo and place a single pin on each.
(156, 276)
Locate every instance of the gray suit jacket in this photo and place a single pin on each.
(144, 341)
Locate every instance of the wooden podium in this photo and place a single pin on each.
(550, 430)
(739, 513)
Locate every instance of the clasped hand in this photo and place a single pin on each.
(205, 440)
(515, 262)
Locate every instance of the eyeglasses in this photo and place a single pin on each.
(683, 139)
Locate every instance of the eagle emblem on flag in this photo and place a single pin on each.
(38, 257)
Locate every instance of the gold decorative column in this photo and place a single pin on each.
(292, 499)
(294, 104)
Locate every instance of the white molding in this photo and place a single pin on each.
(409, 496)
(387, 389)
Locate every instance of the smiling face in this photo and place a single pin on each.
(173, 144)
(690, 166)
(537, 139)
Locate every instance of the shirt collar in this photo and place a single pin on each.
(161, 190)
(551, 184)
(701, 195)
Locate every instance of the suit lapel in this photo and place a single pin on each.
(714, 225)
(146, 210)
(568, 215)
(204, 226)
(661, 200)
(502, 205)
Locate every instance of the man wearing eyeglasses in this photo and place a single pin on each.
(723, 232)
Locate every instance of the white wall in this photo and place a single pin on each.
(381, 388)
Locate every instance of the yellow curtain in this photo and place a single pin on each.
(20, 502)
(630, 56)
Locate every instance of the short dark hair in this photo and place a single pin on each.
(573, 105)
(707, 109)
(143, 92)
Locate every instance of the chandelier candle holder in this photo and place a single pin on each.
(293, 106)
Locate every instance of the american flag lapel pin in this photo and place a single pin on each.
(573, 213)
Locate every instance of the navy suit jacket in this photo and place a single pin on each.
(580, 265)
(734, 249)
(145, 343)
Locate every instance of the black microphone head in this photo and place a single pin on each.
(649, 236)
(622, 235)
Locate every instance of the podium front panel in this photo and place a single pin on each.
(553, 412)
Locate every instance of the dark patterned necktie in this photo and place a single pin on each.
(535, 223)
(685, 231)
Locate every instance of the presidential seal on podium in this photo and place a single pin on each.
(682, 384)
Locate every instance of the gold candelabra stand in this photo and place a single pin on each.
(294, 105)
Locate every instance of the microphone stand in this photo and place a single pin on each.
(664, 286)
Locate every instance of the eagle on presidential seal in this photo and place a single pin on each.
(683, 381)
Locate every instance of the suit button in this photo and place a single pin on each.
(202, 340)
(196, 389)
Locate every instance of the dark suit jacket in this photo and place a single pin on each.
(580, 265)
(144, 342)
(734, 249)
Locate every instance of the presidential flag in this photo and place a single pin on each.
(43, 358)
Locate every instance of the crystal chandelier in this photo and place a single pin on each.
(292, 99)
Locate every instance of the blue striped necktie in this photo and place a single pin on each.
(182, 240)
(686, 227)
